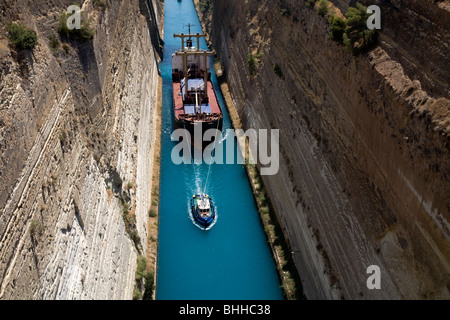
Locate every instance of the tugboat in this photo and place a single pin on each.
(195, 101)
(203, 210)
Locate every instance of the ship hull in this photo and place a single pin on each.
(205, 125)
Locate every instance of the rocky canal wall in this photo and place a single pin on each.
(76, 130)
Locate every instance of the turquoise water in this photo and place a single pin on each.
(232, 260)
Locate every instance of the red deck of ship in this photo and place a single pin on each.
(178, 99)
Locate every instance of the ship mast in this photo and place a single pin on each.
(188, 50)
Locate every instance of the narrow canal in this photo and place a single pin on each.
(232, 260)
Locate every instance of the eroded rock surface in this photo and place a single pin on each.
(76, 128)
(364, 141)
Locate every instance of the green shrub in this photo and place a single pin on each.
(36, 228)
(277, 70)
(152, 213)
(357, 17)
(140, 268)
(155, 191)
(357, 37)
(259, 55)
(128, 219)
(251, 62)
(33, 227)
(134, 235)
(261, 199)
(83, 34)
(129, 185)
(86, 32)
(53, 42)
(205, 6)
(322, 9)
(63, 29)
(66, 48)
(62, 137)
(136, 294)
(310, 3)
(264, 210)
(126, 208)
(338, 26)
(148, 286)
(20, 36)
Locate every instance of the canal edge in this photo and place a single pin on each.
(151, 254)
(153, 211)
(290, 284)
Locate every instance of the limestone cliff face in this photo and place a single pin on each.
(364, 141)
(76, 128)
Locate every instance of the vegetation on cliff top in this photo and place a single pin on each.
(357, 37)
(84, 33)
(322, 8)
(352, 30)
(21, 37)
(338, 26)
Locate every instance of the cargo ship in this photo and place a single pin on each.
(203, 210)
(195, 101)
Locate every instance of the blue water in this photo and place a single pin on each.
(232, 260)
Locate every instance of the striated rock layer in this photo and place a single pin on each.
(76, 127)
(364, 141)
